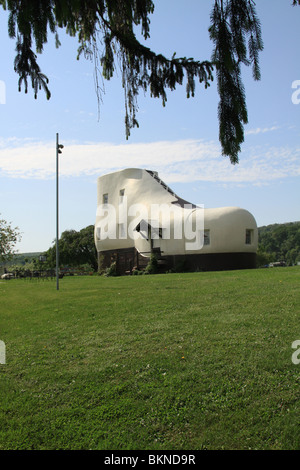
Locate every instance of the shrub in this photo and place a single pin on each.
(112, 270)
(152, 266)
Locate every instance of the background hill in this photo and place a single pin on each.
(279, 242)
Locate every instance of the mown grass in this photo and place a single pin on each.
(176, 361)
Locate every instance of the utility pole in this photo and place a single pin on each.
(58, 151)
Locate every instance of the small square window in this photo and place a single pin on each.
(249, 236)
(105, 198)
(206, 237)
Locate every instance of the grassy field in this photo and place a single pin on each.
(173, 361)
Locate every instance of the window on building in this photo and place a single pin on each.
(98, 233)
(122, 193)
(206, 237)
(249, 237)
(105, 198)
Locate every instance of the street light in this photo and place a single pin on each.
(58, 151)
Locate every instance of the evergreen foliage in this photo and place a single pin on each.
(233, 22)
(105, 32)
(152, 266)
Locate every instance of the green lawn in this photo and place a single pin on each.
(173, 361)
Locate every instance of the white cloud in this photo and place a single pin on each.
(260, 130)
(178, 161)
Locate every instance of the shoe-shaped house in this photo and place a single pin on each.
(138, 214)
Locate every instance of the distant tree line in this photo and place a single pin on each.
(77, 252)
(279, 242)
(276, 242)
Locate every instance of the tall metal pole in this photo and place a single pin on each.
(57, 233)
(58, 151)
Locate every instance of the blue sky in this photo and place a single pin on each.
(179, 141)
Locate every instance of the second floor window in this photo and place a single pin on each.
(122, 193)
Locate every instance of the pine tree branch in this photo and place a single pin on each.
(235, 32)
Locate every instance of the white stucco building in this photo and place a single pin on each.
(138, 214)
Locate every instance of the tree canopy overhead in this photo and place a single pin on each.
(105, 30)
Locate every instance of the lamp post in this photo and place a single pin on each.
(58, 151)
